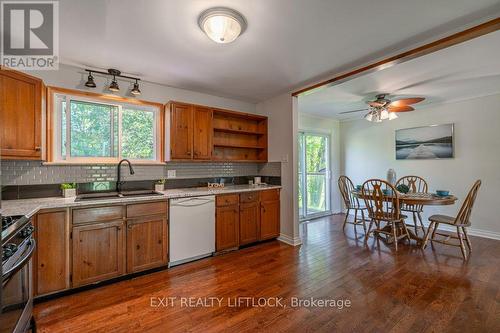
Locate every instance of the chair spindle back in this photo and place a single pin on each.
(463, 216)
(381, 206)
(346, 188)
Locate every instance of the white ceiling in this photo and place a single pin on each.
(467, 70)
(287, 43)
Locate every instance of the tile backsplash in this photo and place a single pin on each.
(34, 172)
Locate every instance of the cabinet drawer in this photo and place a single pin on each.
(270, 195)
(227, 200)
(249, 197)
(149, 208)
(95, 214)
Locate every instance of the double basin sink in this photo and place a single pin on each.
(114, 195)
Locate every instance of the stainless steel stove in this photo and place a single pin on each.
(16, 293)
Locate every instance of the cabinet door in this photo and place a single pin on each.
(98, 252)
(227, 225)
(202, 139)
(146, 243)
(269, 219)
(21, 101)
(181, 131)
(249, 222)
(51, 259)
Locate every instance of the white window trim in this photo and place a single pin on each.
(57, 137)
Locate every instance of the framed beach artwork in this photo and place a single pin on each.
(427, 142)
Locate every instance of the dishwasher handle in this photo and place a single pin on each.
(191, 202)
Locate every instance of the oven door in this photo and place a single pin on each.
(17, 294)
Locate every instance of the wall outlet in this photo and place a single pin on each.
(171, 174)
(284, 158)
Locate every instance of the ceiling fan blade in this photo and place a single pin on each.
(406, 101)
(345, 112)
(403, 108)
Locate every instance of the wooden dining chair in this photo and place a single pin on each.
(415, 184)
(384, 208)
(346, 188)
(460, 222)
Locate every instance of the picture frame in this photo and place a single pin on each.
(425, 142)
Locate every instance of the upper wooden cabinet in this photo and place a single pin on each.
(181, 131)
(22, 99)
(204, 133)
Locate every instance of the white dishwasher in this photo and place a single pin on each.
(192, 229)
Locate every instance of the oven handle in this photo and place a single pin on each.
(21, 261)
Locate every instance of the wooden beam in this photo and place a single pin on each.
(440, 44)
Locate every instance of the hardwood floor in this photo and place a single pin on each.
(408, 291)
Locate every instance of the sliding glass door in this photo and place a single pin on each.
(314, 175)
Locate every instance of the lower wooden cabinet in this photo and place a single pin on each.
(147, 242)
(269, 219)
(227, 227)
(98, 252)
(249, 222)
(51, 258)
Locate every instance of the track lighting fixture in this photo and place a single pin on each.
(114, 83)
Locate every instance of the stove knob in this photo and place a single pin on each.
(7, 252)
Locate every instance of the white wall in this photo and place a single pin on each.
(330, 127)
(368, 151)
(282, 122)
(74, 78)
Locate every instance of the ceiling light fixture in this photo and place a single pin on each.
(135, 90)
(222, 25)
(90, 81)
(114, 85)
(378, 114)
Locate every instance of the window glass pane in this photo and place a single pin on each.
(316, 153)
(138, 139)
(316, 194)
(63, 127)
(91, 129)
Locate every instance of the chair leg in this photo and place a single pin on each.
(434, 231)
(345, 220)
(426, 238)
(421, 223)
(415, 223)
(462, 246)
(394, 235)
(363, 217)
(368, 232)
(469, 244)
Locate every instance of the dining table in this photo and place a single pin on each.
(413, 198)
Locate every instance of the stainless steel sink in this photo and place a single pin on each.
(115, 195)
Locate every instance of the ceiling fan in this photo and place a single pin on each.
(383, 108)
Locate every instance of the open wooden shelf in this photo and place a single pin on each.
(237, 131)
(227, 145)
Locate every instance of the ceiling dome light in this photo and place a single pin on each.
(392, 115)
(222, 25)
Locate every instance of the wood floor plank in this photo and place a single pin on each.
(406, 291)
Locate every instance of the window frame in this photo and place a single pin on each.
(54, 128)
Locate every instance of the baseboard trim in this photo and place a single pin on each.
(472, 231)
(289, 240)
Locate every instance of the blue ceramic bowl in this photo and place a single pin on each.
(442, 193)
(358, 187)
(387, 192)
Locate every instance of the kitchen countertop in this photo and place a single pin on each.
(30, 207)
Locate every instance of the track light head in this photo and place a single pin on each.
(114, 85)
(135, 90)
(90, 81)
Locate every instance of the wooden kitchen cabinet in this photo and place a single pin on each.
(147, 242)
(202, 133)
(98, 252)
(227, 222)
(181, 131)
(269, 214)
(249, 222)
(22, 99)
(51, 258)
